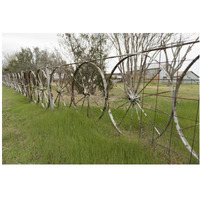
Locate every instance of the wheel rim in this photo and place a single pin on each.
(60, 86)
(132, 102)
(89, 88)
(42, 88)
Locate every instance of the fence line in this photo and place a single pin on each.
(88, 88)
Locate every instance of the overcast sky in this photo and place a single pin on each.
(12, 42)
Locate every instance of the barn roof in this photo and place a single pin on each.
(181, 72)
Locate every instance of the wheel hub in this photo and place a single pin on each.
(134, 99)
(86, 92)
(60, 90)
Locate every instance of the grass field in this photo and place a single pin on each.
(187, 111)
(32, 135)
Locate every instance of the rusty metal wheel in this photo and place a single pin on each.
(42, 88)
(25, 83)
(133, 100)
(11, 81)
(33, 84)
(17, 85)
(60, 86)
(14, 79)
(89, 89)
(22, 82)
(4, 79)
(187, 128)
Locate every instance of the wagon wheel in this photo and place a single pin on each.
(188, 129)
(27, 85)
(24, 83)
(132, 103)
(19, 83)
(42, 88)
(89, 89)
(17, 86)
(4, 79)
(60, 86)
(11, 79)
(14, 80)
(33, 87)
(182, 124)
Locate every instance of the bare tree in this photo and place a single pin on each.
(175, 57)
(130, 43)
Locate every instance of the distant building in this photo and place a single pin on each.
(152, 73)
(190, 76)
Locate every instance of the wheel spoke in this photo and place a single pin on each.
(117, 85)
(137, 114)
(79, 83)
(124, 115)
(42, 99)
(65, 85)
(123, 76)
(88, 107)
(131, 122)
(120, 106)
(80, 100)
(91, 80)
(93, 99)
(56, 82)
(82, 81)
(139, 120)
(63, 100)
(149, 82)
(148, 119)
(45, 99)
(82, 104)
(62, 79)
(56, 98)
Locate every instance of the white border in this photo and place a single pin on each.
(94, 181)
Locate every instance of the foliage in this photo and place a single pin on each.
(86, 47)
(31, 59)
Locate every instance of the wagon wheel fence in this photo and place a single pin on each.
(158, 110)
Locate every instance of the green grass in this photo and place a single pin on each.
(32, 135)
(185, 108)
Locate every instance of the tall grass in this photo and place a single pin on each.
(32, 135)
(185, 108)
